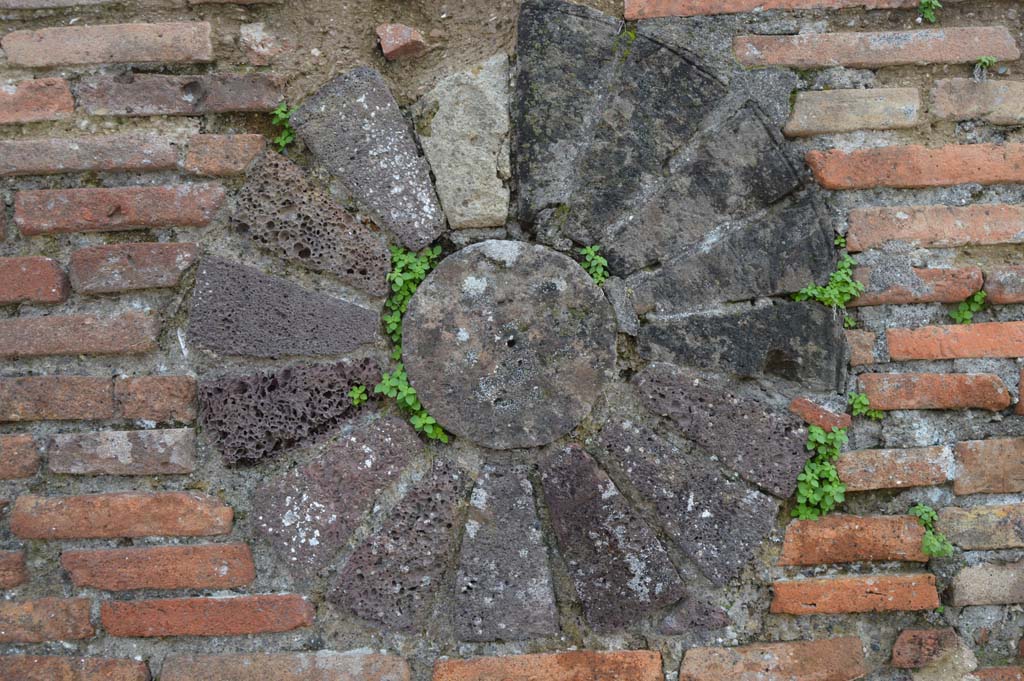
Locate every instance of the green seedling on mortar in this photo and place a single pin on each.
(964, 312)
(819, 489)
(281, 117)
(862, 407)
(927, 8)
(841, 287)
(596, 265)
(358, 395)
(934, 543)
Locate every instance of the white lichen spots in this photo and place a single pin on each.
(479, 498)
(471, 528)
(474, 286)
(505, 252)
(609, 490)
(639, 582)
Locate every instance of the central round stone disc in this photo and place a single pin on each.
(508, 344)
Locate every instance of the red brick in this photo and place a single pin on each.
(222, 155)
(156, 398)
(119, 452)
(210, 566)
(12, 569)
(945, 285)
(32, 279)
(1000, 102)
(110, 44)
(836, 659)
(1000, 674)
(817, 415)
(990, 466)
(874, 50)
(78, 334)
(862, 347)
(48, 211)
(115, 153)
(915, 166)
(935, 226)
(989, 584)
(869, 469)
(59, 398)
(155, 95)
(840, 538)
(834, 595)
(650, 9)
(958, 341)
(980, 528)
(633, 665)
(936, 391)
(1005, 285)
(916, 648)
(128, 267)
(45, 619)
(119, 514)
(322, 665)
(45, 99)
(32, 668)
(820, 112)
(46, 4)
(399, 40)
(19, 457)
(206, 616)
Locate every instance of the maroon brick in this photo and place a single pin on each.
(931, 285)
(993, 466)
(120, 153)
(206, 616)
(849, 594)
(616, 665)
(1000, 674)
(59, 398)
(155, 95)
(156, 398)
(12, 570)
(936, 391)
(916, 648)
(45, 619)
(116, 452)
(837, 659)
(322, 665)
(841, 538)
(1005, 285)
(33, 668)
(222, 155)
(48, 211)
(44, 99)
(78, 334)
(817, 415)
(110, 44)
(127, 267)
(398, 40)
(32, 279)
(209, 566)
(862, 347)
(19, 457)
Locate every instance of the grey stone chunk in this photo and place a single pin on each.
(259, 415)
(503, 585)
(694, 615)
(508, 344)
(238, 310)
(280, 209)
(765, 256)
(391, 577)
(800, 342)
(309, 513)
(355, 129)
(620, 569)
(463, 127)
(621, 295)
(762, 442)
(131, 452)
(719, 523)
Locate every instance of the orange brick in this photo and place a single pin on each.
(222, 155)
(1000, 674)
(45, 619)
(940, 285)
(874, 50)
(862, 347)
(32, 279)
(322, 665)
(1005, 285)
(650, 9)
(835, 595)
(44, 99)
(119, 514)
(127, 267)
(990, 466)
(19, 457)
(935, 226)
(33, 668)
(50, 211)
(209, 566)
(115, 153)
(59, 398)
(957, 341)
(110, 44)
(840, 538)
(915, 166)
(78, 334)
(936, 391)
(817, 415)
(869, 469)
(916, 648)
(981, 528)
(156, 398)
(206, 616)
(836, 659)
(12, 569)
(634, 665)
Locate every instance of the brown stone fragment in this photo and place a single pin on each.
(156, 398)
(916, 648)
(43, 99)
(126, 267)
(634, 665)
(110, 44)
(840, 538)
(980, 528)
(12, 570)
(146, 94)
(132, 452)
(207, 566)
(816, 415)
(78, 334)
(650, 9)
(862, 347)
(850, 594)
(935, 226)
(19, 457)
(45, 619)
(32, 279)
(957, 341)
(1000, 674)
(993, 466)
(819, 112)
(836, 659)
(989, 584)
(869, 469)
(114, 153)
(323, 665)
(60, 398)
(206, 616)
(1005, 285)
(1000, 102)
(399, 40)
(33, 668)
(222, 155)
(931, 285)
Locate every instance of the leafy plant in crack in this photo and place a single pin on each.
(849, 322)
(839, 241)
(819, 489)
(934, 543)
(281, 117)
(408, 270)
(983, 64)
(358, 395)
(595, 264)
(862, 407)
(841, 287)
(964, 312)
(927, 8)
(395, 384)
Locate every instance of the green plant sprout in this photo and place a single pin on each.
(596, 265)
(985, 63)
(862, 407)
(926, 8)
(819, 489)
(849, 322)
(934, 543)
(281, 117)
(841, 287)
(839, 241)
(395, 384)
(408, 270)
(358, 395)
(964, 312)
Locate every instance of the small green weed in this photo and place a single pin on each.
(841, 287)
(862, 407)
(281, 117)
(849, 322)
(596, 265)
(819, 489)
(839, 241)
(927, 8)
(934, 543)
(964, 312)
(395, 384)
(408, 270)
(985, 63)
(358, 395)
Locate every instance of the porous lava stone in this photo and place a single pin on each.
(508, 344)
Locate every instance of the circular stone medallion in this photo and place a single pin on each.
(508, 344)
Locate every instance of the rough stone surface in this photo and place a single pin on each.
(984, 527)
(283, 211)
(32, 279)
(935, 226)
(131, 333)
(309, 513)
(833, 111)
(13, 571)
(132, 452)
(463, 127)
(259, 415)
(869, 469)
(222, 155)
(717, 522)
(620, 569)
(997, 101)
(110, 44)
(45, 619)
(993, 466)
(238, 310)
(916, 648)
(391, 577)
(42, 99)
(694, 615)
(354, 128)
(503, 588)
(508, 344)
(322, 665)
(764, 444)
